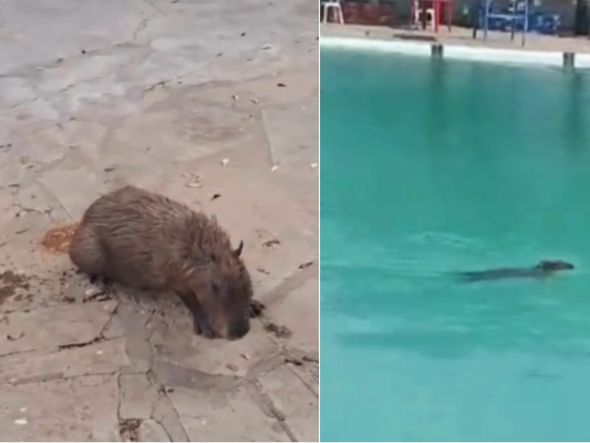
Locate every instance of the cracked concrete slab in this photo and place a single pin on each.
(293, 402)
(165, 414)
(226, 358)
(225, 416)
(52, 328)
(151, 93)
(78, 409)
(289, 310)
(138, 396)
(151, 430)
(99, 358)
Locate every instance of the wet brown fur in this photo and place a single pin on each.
(148, 241)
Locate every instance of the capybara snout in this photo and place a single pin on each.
(147, 241)
(223, 293)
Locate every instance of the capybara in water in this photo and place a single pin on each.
(147, 241)
(544, 268)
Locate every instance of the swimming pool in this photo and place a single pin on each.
(431, 167)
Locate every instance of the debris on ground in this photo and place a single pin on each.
(14, 338)
(93, 294)
(10, 282)
(57, 240)
(195, 180)
(256, 308)
(269, 243)
(293, 361)
(307, 264)
(128, 429)
(277, 331)
(232, 367)
(225, 162)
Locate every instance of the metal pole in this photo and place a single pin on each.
(437, 12)
(475, 12)
(513, 24)
(450, 14)
(526, 21)
(486, 14)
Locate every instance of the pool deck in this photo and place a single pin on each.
(156, 93)
(462, 38)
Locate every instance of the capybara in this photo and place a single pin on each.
(544, 268)
(147, 241)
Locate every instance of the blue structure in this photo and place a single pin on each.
(519, 17)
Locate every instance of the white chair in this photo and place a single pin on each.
(430, 15)
(333, 5)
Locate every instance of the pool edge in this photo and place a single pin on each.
(462, 52)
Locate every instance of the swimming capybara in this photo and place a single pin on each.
(543, 269)
(147, 241)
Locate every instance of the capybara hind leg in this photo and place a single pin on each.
(87, 254)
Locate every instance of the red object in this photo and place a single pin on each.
(438, 6)
(367, 14)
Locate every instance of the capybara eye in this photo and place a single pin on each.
(215, 289)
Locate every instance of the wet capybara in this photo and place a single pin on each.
(544, 268)
(147, 241)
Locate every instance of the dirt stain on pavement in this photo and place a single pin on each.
(10, 282)
(57, 240)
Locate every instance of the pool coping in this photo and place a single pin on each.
(460, 52)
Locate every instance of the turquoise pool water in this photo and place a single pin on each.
(430, 168)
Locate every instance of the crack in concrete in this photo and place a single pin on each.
(51, 377)
(28, 351)
(154, 380)
(55, 198)
(143, 24)
(34, 68)
(99, 338)
(308, 385)
(289, 284)
(163, 427)
(119, 396)
(23, 102)
(150, 88)
(178, 421)
(267, 406)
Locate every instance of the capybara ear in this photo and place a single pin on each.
(238, 250)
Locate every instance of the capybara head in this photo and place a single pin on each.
(223, 291)
(554, 265)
